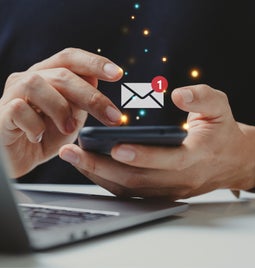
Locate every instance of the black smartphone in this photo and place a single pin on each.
(102, 139)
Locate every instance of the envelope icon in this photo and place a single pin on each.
(140, 95)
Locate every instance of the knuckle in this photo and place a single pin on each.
(12, 77)
(223, 107)
(31, 81)
(96, 62)
(204, 87)
(206, 92)
(63, 74)
(203, 90)
(30, 84)
(17, 106)
(66, 53)
(95, 99)
(223, 96)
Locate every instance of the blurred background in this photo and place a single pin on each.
(186, 41)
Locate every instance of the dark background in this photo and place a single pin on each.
(217, 37)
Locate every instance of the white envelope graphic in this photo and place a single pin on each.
(140, 95)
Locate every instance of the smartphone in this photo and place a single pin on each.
(101, 139)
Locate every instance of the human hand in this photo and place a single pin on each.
(217, 153)
(44, 107)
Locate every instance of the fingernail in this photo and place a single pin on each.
(112, 70)
(125, 154)
(38, 139)
(70, 156)
(113, 114)
(70, 125)
(186, 94)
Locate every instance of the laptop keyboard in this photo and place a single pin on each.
(43, 217)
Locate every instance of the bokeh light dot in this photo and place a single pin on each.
(146, 32)
(136, 5)
(132, 60)
(125, 30)
(142, 112)
(195, 73)
(185, 126)
(124, 119)
(164, 59)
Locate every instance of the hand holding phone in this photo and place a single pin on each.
(102, 139)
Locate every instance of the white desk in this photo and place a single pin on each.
(217, 231)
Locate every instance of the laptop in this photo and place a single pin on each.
(39, 220)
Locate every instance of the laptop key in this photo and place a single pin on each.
(43, 218)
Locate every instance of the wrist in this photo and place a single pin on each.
(246, 177)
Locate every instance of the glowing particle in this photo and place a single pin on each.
(195, 73)
(146, 32)
(142, 112)
(164, 59)
(125, 30)
(185, 126)
(132, 60)
(146, 50)
(126, 73)
(136, 6)
(132, 17)
(99, 50)
(124, 119)
(137, 118)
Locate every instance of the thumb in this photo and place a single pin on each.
(202, 99)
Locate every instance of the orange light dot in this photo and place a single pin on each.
(146, 32)
(124, 119)
(194, 73)
(185, 126)
(164, 59)
(132, 17)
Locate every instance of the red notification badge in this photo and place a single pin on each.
(159, 84)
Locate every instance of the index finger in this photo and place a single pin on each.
(83, 63)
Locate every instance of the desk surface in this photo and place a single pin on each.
(218, 230)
